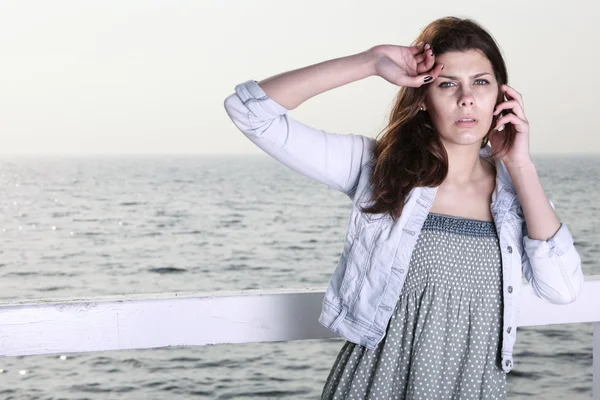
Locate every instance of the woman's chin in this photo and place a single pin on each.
(465, 138)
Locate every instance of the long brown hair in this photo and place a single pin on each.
(410, 152)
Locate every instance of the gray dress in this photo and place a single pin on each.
(443, 339)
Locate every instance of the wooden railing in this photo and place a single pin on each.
(196, 319)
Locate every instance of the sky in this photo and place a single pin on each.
(150, 77)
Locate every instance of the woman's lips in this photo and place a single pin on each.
(466, 122)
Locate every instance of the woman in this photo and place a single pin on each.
(448, 212)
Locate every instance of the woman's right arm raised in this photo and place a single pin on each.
(292, 88)
(259, 110)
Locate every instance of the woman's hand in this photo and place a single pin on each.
(406, 66)
(518, 154)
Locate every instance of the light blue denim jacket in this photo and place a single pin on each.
(368, 279)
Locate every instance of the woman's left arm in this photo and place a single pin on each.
(550, 260)
(542, 221)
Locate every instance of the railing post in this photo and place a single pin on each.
(596, 362)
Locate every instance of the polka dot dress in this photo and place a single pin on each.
(443, 339)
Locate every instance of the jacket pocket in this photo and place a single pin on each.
(372, 218)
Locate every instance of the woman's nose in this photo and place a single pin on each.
(466, 100)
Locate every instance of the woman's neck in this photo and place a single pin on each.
(465, 165)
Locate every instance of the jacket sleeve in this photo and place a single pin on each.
(330, 158)
(553, 266)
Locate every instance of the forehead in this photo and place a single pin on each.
(465, 62)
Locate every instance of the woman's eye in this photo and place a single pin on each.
(477, 82)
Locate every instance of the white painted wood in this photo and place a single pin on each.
(191, 319)
(535, 311)
(596, 362)
(50, 327)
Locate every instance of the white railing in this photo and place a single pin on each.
(196, 319)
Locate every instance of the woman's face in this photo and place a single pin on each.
(461, 101)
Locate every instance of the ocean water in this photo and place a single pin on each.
(111, 225)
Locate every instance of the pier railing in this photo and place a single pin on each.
(196, 319)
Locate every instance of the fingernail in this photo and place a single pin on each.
(427, 46)
(427, 78)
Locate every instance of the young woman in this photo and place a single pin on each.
(448, 213)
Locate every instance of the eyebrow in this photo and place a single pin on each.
(454, 78)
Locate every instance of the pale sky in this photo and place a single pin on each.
(148, 77)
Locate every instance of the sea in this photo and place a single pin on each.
(73, 226)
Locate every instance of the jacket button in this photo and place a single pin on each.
(401, 271)
(507, 363)
(510, 289)
(509, 329)
(509, 249)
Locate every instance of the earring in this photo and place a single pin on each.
(421, 109)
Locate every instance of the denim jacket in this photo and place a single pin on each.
(366, 284)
